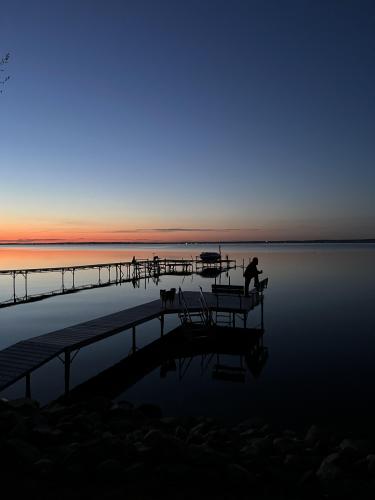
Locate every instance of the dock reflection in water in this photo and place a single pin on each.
(175, 351)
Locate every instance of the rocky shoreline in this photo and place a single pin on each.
(101, 449)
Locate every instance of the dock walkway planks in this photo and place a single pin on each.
(19, 360)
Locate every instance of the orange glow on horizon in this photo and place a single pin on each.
(167, 235)
(42, 257)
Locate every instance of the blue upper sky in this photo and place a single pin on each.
(240, 119)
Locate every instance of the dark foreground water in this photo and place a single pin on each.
(319, 322)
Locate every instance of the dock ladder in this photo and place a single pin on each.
(201, 317)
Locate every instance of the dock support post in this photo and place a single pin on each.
(28, 386)
(162, 325)
(14, 287)
(134, 347)
(67, 372)
(244, 320)
(25, 276)
(234, 320)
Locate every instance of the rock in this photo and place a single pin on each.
(290, 433)
(197, 434)
(44, 435)
(124, 405)
(181, 432)
(8, 420)
(169, 421)
(135, 473)
(67, 453)
(109, 470)
(3, 404)
(97, 404)
(144, 453)
(43, 467)
(21, 452)
(286, 445)
(118, 413)
(172, 474)
(204, 455)
(329, 469)
(293, 462)
(83, 424)
(24, 405)
(99, 449)
(239, 476)
(359, 469)
(265, 429)
(172, 449)
(120, 426)
(371, 465)
(359, 447)
(19, 430)
(67, 428)
(201, 428)
(258, 447)
(56, 412)
(315, 435)
(134, 436)
(308, 486)
(248, 434)
(153, 438)
(308, 477)
(251, 423)
(195, 438)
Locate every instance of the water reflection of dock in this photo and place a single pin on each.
(20, 360)
(175, 352)
(109, 274)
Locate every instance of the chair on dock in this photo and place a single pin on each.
(226, 318)
(262, 285)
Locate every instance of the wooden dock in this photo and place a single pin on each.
(20, 360)
(113, 273)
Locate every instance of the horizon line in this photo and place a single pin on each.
(195, 242)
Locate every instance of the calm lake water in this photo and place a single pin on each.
(319, 329)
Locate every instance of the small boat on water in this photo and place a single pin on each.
(210, 257)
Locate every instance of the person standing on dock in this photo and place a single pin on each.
(251, 272)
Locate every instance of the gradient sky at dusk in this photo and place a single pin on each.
(187, 120)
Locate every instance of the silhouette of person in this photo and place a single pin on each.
(251, 272)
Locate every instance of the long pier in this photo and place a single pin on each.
(114, 273)
(21, 359)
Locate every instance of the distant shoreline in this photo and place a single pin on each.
(239, 242)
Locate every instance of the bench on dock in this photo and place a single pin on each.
(238, 289)
(228, 289)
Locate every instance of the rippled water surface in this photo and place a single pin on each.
(319, 328)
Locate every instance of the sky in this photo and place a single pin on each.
(187, 120)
